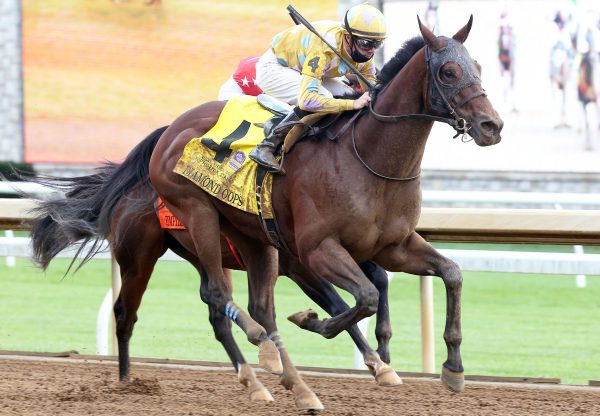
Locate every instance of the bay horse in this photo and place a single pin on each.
(117, 203)
(346, 201)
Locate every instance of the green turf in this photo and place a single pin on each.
(513, 325)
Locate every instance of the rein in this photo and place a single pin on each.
(379, 175)
(457, 123)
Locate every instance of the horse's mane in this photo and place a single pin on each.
(395, 64)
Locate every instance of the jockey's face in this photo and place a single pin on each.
(351, 46)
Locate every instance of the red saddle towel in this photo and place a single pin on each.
(169, 221)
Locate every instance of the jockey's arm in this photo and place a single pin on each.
(310, 99)
(309, 95)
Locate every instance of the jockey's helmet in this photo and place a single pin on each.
(365, 21)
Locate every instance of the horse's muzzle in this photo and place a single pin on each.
(486, 130)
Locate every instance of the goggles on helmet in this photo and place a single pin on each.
(368, 43)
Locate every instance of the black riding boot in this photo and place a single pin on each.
(263, 153)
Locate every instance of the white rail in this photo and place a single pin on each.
(466, 197)
(468, 260)
(502, 198)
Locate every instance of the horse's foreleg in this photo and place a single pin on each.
(332, 262)
(418, 257)
(379, 363)
(383, 328)
(304, 397)
(262, 308)
(325, 295)
(222, 329)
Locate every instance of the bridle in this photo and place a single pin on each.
(440, 96)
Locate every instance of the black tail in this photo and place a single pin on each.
(84, 212)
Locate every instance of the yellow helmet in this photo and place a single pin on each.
(365, 21)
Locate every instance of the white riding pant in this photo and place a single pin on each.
(283, 83)
(229, 89)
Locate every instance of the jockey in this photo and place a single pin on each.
(301, 70)
(243, 80)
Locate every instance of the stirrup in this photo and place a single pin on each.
(266, 158)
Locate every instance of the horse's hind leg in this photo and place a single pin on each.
(422, 259)
(222, 328)
(331, 261)
(136, 256)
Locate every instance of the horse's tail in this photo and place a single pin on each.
(83, 211)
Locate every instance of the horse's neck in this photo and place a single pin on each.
(396, 149)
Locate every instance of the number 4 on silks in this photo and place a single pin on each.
(222, 150)
(314, 64)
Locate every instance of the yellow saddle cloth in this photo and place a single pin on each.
(218, 162)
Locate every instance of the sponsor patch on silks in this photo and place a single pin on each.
(218, 162)
(166, 218)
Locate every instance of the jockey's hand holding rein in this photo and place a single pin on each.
(362, 101)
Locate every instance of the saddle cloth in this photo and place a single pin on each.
(218, 162)
(167, 220)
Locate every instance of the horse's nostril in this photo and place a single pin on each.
(492, 126)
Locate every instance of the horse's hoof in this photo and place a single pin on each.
(260, 394)
(387, 377)
(308, 401)
(268, 357)
(299, 318)
(455, 382)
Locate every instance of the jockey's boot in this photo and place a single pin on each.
(263, 153)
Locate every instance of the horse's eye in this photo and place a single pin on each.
(448, 73)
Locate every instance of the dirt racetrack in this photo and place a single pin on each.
(59, 386)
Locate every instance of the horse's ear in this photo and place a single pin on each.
(463, 33)
(430, 38)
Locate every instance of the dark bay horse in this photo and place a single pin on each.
(346, 201)
(117, 203)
